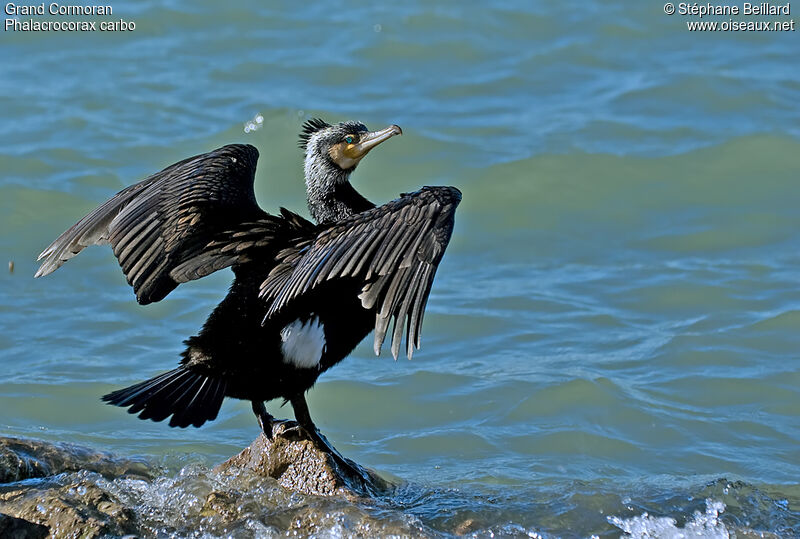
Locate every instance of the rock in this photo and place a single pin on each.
(21, 529)
(230, 514)
(78, 508)
(222, 505)
(69, 505)
(25, 459)
(63, 490)
(294, 459)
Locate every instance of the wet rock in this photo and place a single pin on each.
(25, 459)
(354, 521)
(233, 514)
(222, 505)
(299, 464)
(21, 529)
(60, 491)
(76, 508)
(63, 490)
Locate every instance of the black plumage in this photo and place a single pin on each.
(304, 294)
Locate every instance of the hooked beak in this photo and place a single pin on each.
(373, 138)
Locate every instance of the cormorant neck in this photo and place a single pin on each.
(330, 195)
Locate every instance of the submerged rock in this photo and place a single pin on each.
(294, 460)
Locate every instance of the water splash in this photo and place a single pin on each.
(705, 525)
(255, 123)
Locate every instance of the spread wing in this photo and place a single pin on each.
(246, 241)
(167, 219)
(395, 249)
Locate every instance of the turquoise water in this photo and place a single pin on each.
(612, 333)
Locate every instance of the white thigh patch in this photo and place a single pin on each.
(303, 343)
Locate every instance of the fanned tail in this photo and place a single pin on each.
(190, 398)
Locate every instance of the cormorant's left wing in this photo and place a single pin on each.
(394, 248)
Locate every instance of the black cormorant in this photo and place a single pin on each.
(304, 294)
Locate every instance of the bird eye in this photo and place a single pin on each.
(349, 139)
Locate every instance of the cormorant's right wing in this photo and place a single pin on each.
(166, 219)
(394, 248)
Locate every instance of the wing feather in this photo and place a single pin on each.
(161, 228)
(393, 249)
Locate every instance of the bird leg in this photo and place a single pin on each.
(304, 420)
(265, 420)
(304, 427)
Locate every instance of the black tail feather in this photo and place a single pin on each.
(190, 398)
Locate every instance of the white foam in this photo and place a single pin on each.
(702, 525)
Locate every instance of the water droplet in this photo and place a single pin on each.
(377, 28)
(255, 123)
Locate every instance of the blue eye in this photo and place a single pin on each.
(349, 139)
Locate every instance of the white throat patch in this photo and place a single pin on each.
(303, 343)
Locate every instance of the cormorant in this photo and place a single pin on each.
(304, 294)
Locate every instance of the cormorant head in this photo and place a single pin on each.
(332, 153)
(341, 146)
